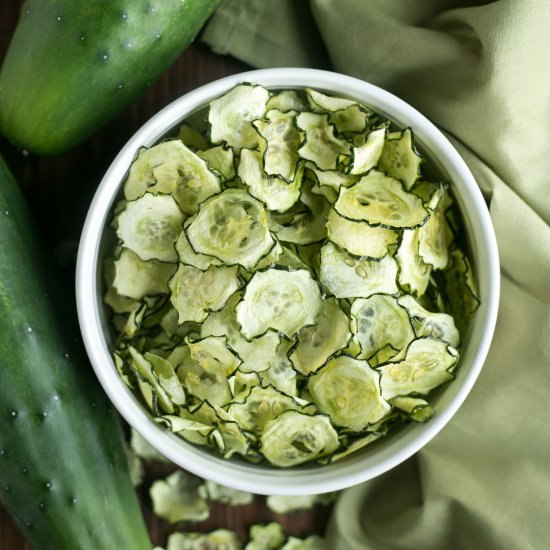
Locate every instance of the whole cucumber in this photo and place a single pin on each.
(72, 66)
(63, 470)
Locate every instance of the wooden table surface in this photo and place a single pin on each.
(59, 190)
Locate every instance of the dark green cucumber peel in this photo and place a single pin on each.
(63, 470)
(72, 66)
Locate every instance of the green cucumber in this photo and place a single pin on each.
(72, 66)
(63, 469)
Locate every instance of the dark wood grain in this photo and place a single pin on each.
(59, 190)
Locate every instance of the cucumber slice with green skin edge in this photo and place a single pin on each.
(346, 114)
(366, 156)
(148, 382)
(262, 405)
(167, 378)
(171, 168)
(331, 178)
(399, 158)
(232, 227)
(150, 227)
(418, 409)
(116, 301)
(187, 256)
(281, 374)
(321, 102)
(460, 288)
(426, 323)
(294, 438)
(307, 227)
(427, 364)
(381, 200)
(280, 300)
(348, 390)
(220, 160)
(231, 116)
(279, 144)
(257, 355)
(320, 146)
(379, 321)
(287, 100)
(136, 279)
(359, 238)
(346, 276)
(355, 446)
(435, 239)
(352, 119)
(194, 292)
(276, 193)
(317, 343)
(414, 273)
(190, 430)
(207, 368)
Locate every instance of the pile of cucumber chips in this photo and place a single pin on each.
(290, 283)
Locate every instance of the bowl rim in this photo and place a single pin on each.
(256, 478)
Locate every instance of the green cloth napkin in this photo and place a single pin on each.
(480, 71)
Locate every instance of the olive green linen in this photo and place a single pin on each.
(481, 72)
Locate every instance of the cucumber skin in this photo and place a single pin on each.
(63, 469)
(72, 66)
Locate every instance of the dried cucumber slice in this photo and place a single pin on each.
(347, 276)
(321, 146)
(150, 226)
(428, 363)
(221, 160)
(187, 256)
(436, 236)
(381, 200)
(286, 100)
(426, 323)
(399, 158)
(366, 156)
(414, 273)
(278, 299)
(418, 409)
(231, 226)
(348, 390)
(318, 342)
(194, 292)
(309, 226)
(262, 405)
(170, 167)
(136, 279)
(276, 193)
(231, 116)
(380, 321)
(359, 238)
(280, 143)
(293, 438)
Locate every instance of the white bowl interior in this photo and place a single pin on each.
(373, 460)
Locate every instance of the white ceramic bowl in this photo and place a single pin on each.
(361, 466)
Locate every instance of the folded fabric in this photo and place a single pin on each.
(479, 71)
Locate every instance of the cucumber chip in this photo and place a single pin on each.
(279, 299)
(150, 226)
(348, 390)
(286, 284)
(381, 200)
(232, 227)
